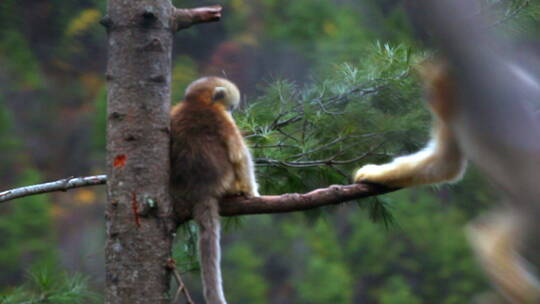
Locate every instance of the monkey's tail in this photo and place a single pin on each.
(206, 214)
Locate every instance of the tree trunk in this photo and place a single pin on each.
(139, 226)
(138, 216)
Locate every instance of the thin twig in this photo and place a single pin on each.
(343, 98)
(59, 185)
(275, 125)
(278, 125)
(171, 264)
(511, 14)
(276, 146)
(314, 163)
(340, 172)
(309, 163)
(317, 149)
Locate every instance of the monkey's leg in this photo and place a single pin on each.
(495, 238)
(207, 217)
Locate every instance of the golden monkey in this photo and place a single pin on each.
(495, 237)
(209, 160)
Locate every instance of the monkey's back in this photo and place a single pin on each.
(200, 163)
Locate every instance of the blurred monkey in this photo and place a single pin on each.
(496, 237)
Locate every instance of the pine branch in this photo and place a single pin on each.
(324, 103)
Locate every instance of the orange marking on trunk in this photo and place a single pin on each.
(120, 161)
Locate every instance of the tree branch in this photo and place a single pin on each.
(186, 17)
(230, 206)
(60, 185)
(290, 202)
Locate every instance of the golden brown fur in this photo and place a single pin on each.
(209, 160)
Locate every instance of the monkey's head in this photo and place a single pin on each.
(214, 90)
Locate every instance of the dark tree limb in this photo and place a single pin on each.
(290, 202)
(186, 17)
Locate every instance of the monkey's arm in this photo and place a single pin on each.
(440, 161)
(244, 169)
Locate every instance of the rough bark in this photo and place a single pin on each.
(138, 74)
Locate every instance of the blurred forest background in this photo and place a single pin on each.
(329, 86)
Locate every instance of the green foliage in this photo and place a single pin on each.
(7, 7)
(427, 255)
(29, 242)
(185, 248)
(8, 143)
(26, 229)
(326, 279)
(17, 56)
(346, 258)
(83, 22)
(249, 285)
(318, 29)
(47, 285)
(379, 210)
(306, 134)
(99, 137)
(183, 73)
(514, 18)
(397, 291)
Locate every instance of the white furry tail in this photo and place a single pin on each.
(206, 215)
